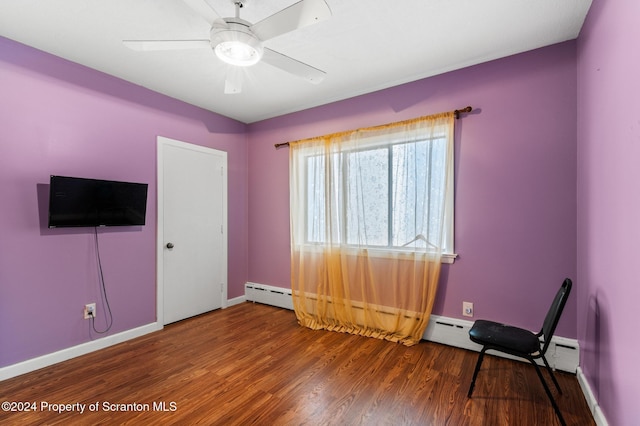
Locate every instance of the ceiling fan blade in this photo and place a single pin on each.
(292, 66)
(151, 45)
(298, 15)
(204, 9)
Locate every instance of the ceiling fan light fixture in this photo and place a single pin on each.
(236, 45)
(238, 53)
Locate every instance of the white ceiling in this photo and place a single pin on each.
(366, 45)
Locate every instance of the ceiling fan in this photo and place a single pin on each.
(239, 43)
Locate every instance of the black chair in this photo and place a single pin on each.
(522, 343)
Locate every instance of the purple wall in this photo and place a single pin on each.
(57, 117)
(609, 206)
(515, 181)
(519, 188)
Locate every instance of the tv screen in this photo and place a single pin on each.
(75, 202)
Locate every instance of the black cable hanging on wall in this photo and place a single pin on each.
(103, 291)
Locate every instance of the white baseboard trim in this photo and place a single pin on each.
(592, 402)
(236, 301)
(75, 351)
(85, 348)
(449, 331)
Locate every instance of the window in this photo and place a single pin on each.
(371, 223)
(383, 193)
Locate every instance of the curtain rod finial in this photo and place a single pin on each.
(458, 111)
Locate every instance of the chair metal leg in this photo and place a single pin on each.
(475, 372)
(548, 391)
(553, 376)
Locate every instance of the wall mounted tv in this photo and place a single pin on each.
(76, 202)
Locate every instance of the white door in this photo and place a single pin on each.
(192, 220)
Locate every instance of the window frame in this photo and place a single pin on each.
(448, 254)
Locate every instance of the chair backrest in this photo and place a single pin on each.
(553, 316)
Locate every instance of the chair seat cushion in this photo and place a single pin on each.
(514, 339)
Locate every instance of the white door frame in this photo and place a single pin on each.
(161, 142)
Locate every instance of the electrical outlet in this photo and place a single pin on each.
(89, 310)
(467, 309)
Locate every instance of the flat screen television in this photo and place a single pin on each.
(78, 202)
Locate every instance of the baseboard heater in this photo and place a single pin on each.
(269, 295)
(563, 354)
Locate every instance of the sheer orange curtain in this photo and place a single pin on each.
(369, 213)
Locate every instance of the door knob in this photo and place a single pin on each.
(169, 245)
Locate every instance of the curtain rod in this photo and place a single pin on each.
(456, 113)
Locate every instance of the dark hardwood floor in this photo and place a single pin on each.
(252, 364)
